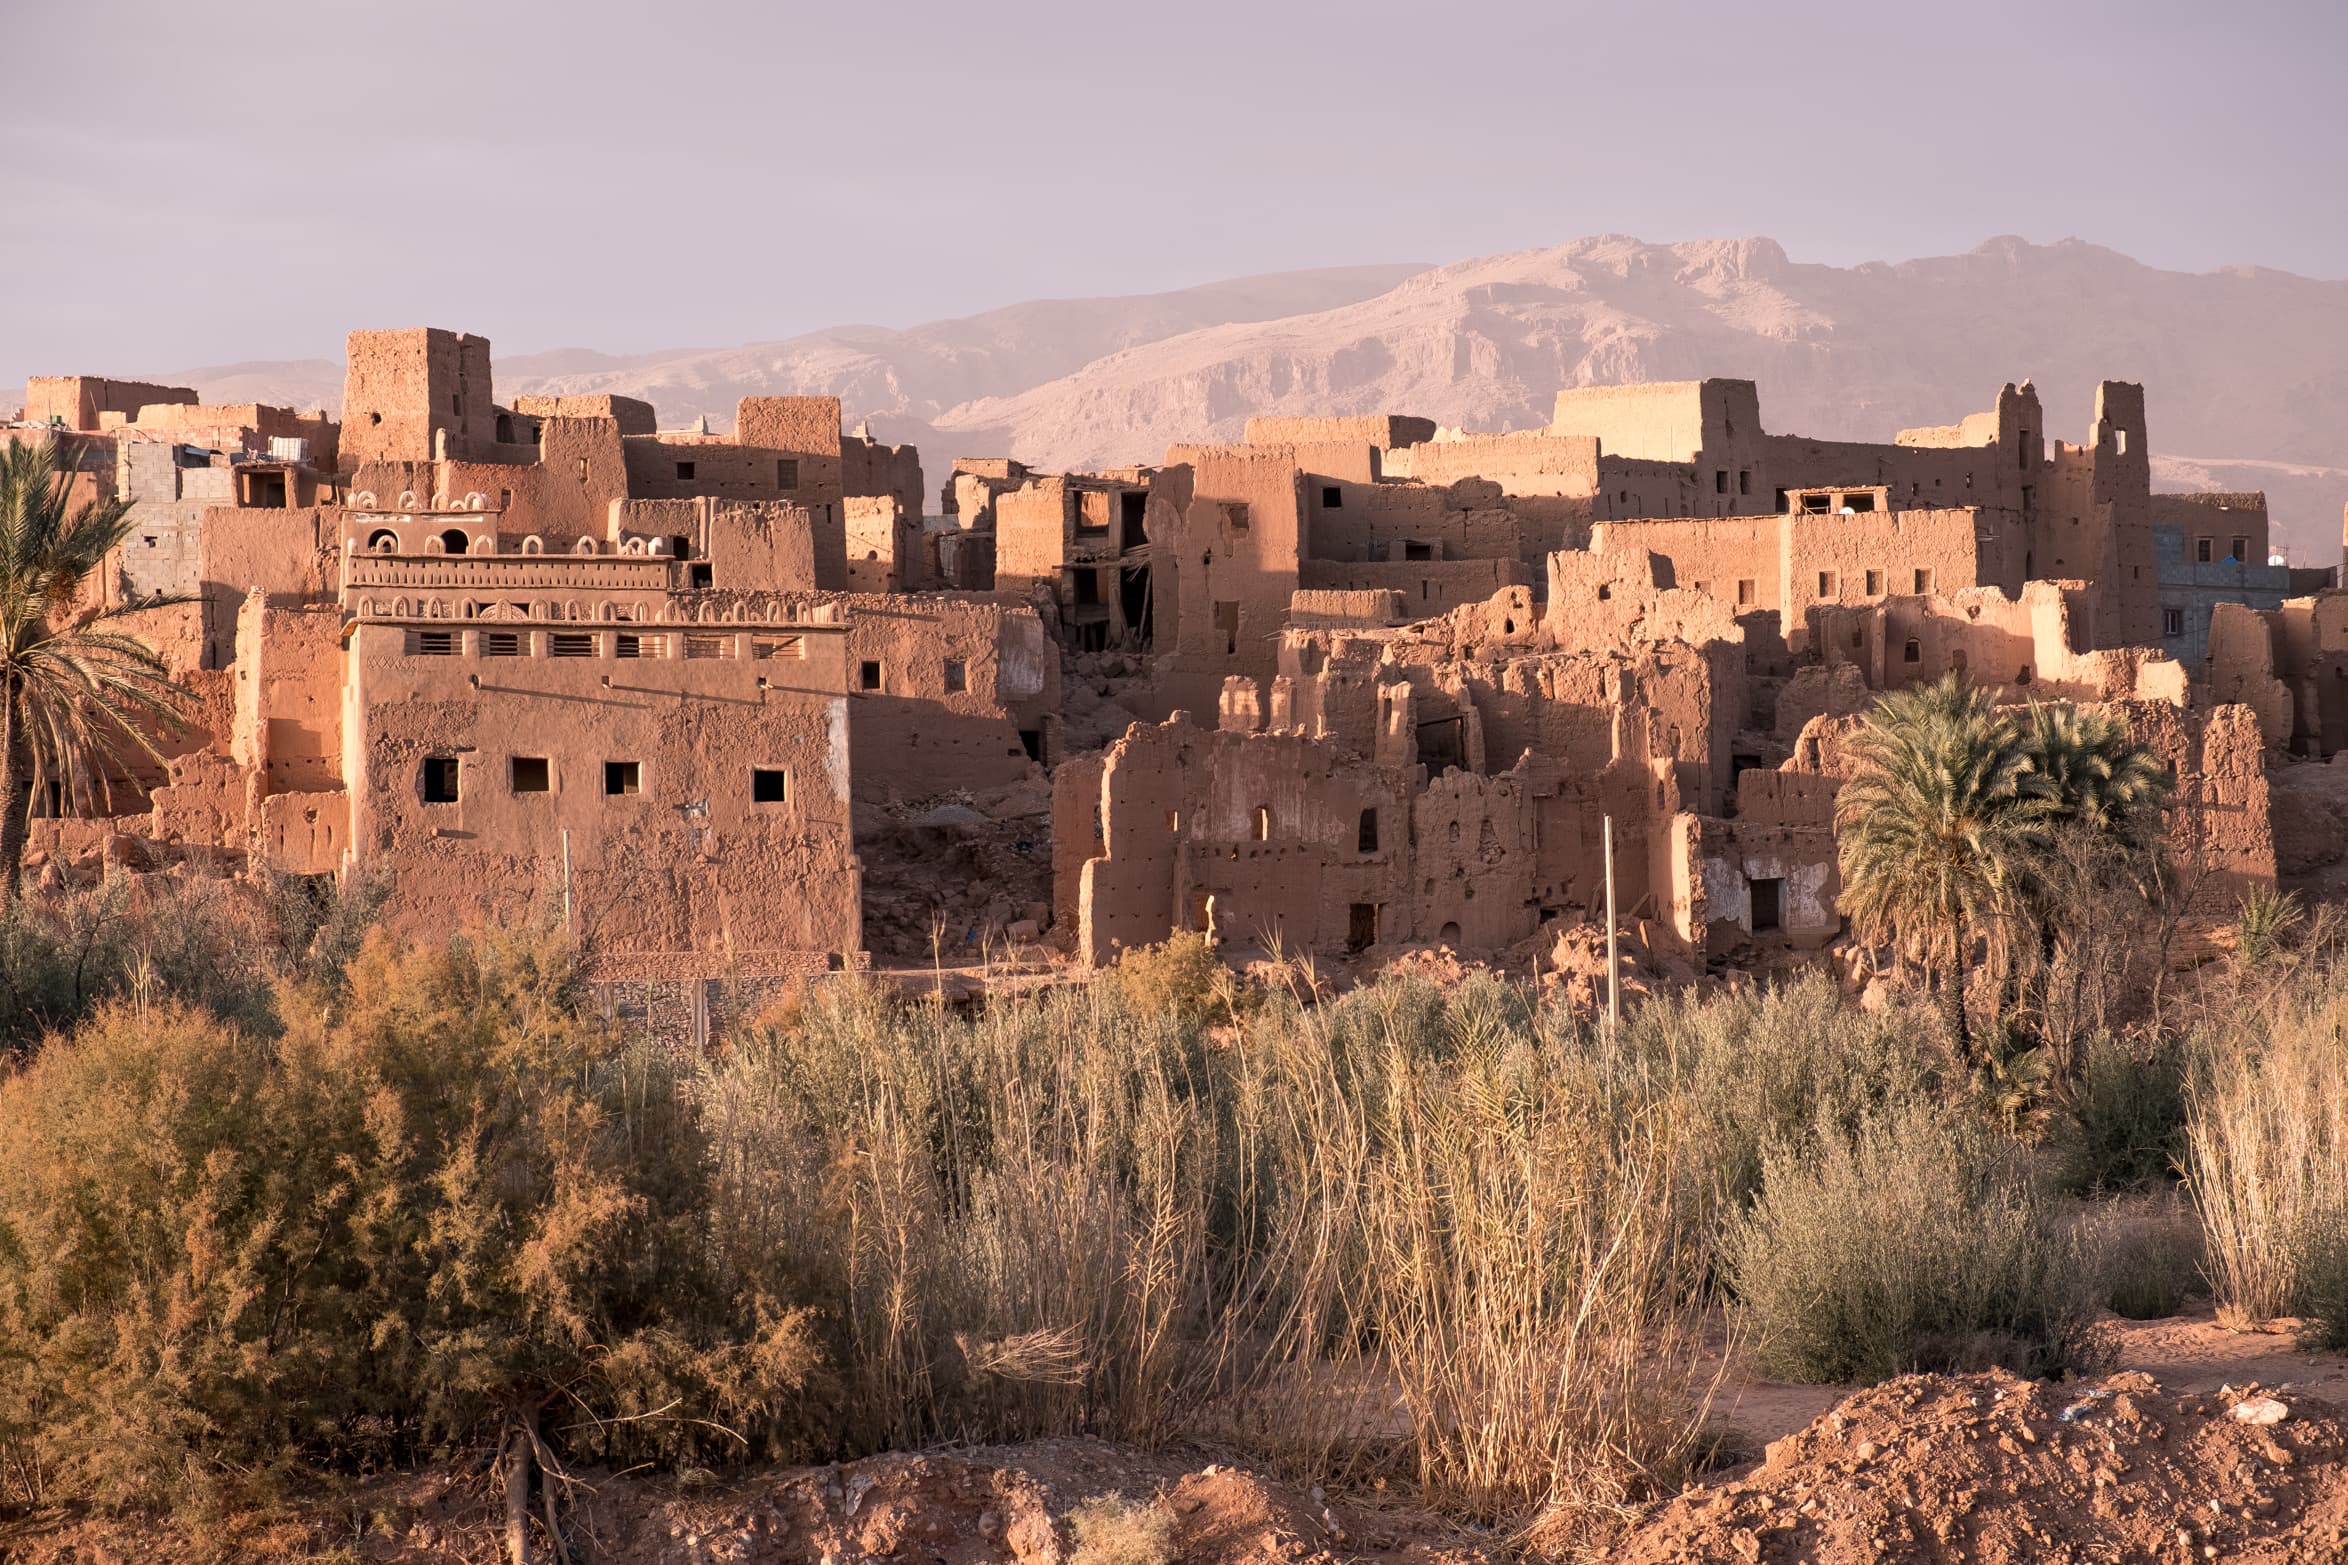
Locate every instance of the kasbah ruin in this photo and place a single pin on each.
(739, 708)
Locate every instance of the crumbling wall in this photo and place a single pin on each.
(947, 692)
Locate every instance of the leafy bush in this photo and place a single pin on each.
(2147, 1255)
(225, 1261)
(1771, 1067)
(2124, 1115)
(1920, 1242)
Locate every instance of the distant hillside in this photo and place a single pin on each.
(2246, 369)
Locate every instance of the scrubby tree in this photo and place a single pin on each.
(425, 1223)
(1938, 827)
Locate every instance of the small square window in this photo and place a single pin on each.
(957, 675)
(1826, 584)
(440, 779)
(786, 472)
(1745, 592)
(769, 785)
(532, 774)
(698, 576)
(868, 675)
(2172, 622)
(1923, 581)
(1237, 512)
(684, 470)
(1875, 584)
(1913, 652)
(622, 777)
(1332, 498)
(627, 645)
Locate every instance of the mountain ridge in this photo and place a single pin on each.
(2245, 367)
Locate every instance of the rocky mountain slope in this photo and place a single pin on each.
(2247, 369)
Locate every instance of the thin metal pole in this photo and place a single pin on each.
(567, 882)
(1613, 966)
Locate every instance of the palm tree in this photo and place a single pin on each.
(1938, 827)
(2086, 762)
(74, 694)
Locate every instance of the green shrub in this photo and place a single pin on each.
(1770, 1067)
(2124, 1116)
(2146, 1252)
(1919, 1242)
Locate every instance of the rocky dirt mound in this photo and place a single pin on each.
(1993, 1470)
(1016, 1506)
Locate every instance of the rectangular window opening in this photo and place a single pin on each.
(622, 777)
(1237, 512)
(786, 472)
(685, 471)
(1768, 903)
(1826, 584)
(501, 643)
(769, 785)
(570, 644)
(1332, 498)
(868, 675)
(1875, 584)
(957, 676)
(440, 779)
(1366, 837)
(1923, 582)
(532, 774)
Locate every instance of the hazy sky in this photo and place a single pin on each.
(194, 184)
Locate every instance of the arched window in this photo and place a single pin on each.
(384, 541)
(1263, 823)
(454, 540)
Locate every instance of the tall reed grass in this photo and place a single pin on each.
(2267, 1160)
(1406, 1232)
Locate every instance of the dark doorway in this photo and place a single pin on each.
(1133, 598)
(1361, 926)
(1133, 510)
(1768, 903)
(1443, 744)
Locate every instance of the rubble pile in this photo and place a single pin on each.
(1993, 1470)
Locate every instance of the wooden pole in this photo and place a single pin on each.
(1613, 967)
(567, 929)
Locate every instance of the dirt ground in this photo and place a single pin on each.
(2147, 1462)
